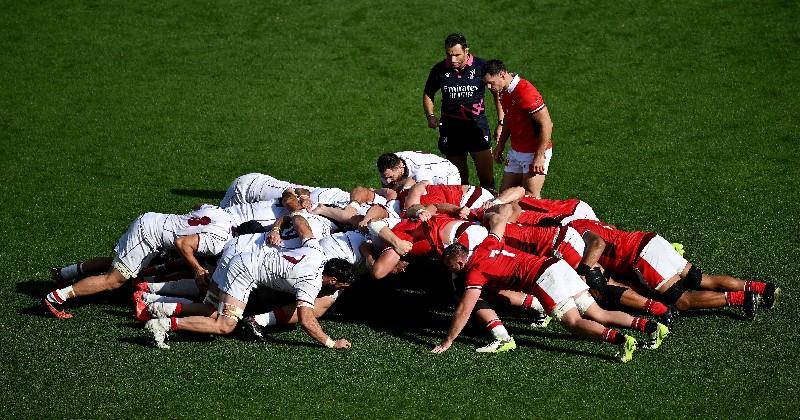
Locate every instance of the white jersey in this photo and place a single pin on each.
(344, 245)
(334, 197)
(211, 223)
(242, 244)
(255, 187)
(297, 271)
(320, 228)
(430, 167)
(263, 212)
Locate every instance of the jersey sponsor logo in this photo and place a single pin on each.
(471, 74)
(293, 260)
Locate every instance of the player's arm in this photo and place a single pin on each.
(415, 193)
(501, 115)
(541, 119)
(452, 210)
(509, 195)
(460, 318)
(427, 106)
(187, 246)
(275, 232)
(498, 220)
(589, 267)
(308, 320)
(502, 137)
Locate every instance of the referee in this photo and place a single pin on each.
(462, 124)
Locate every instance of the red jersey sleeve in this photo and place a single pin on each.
(530, 100)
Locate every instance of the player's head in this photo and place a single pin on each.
(338, 273)
(304, 195)
(455, 257)
(456, 50)
(290, 200)
(495, 76)
(392, 169)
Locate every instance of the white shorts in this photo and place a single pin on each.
(582, 212)
(558, 283)
(136, 247)
(471, 237)
(237, 191)
(658, 262)
(484, 196)
(570, 248)
(520, 163)
(233, 278)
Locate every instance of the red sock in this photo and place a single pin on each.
(492, 324)
(280, 316)
(526, 304)
(638, 324)
(655, 308)
(755, 286)
(612, 336)
(178, 309)
(173, 323)
(734, 298)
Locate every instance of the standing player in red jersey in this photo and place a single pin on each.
(652, 260)
(494, 266)
(527, 122)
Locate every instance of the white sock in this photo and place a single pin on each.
(60, 294)
(183, 287)
(162, 310)
(71, 271)
(154, 298)
(537, 306)
(500, 333)
(266, 319)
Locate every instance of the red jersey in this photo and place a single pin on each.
(434, 194)
(498, 266)
(543, 205)
(543, 241)
(519, 101)
(426, 236)
(622, 247)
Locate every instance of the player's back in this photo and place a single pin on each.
(345, 245)
(287, 270)
(504, 267)
(212, 223)
(264, 212)
(622, 247)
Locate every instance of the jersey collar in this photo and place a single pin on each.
(513, 84)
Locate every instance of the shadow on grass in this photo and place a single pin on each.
(720, 313)
(199, 193)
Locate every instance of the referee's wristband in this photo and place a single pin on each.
(329, 343)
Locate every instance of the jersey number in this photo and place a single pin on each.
(199, 221)
(496, 252)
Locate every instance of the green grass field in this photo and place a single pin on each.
(678, 117)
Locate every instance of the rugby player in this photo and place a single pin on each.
(401, 170)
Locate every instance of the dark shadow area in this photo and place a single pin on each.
(199, 193)
(722, 313)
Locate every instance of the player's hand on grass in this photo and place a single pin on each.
(342, 344)
(441, 348)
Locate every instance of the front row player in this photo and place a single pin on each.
(496, 266)
(303, 272)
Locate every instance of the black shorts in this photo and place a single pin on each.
(457, 137)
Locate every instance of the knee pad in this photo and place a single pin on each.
(693, 278)
(613, 294)
(671, 295)
(584, 302)
(230, 311)
(562, 308)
